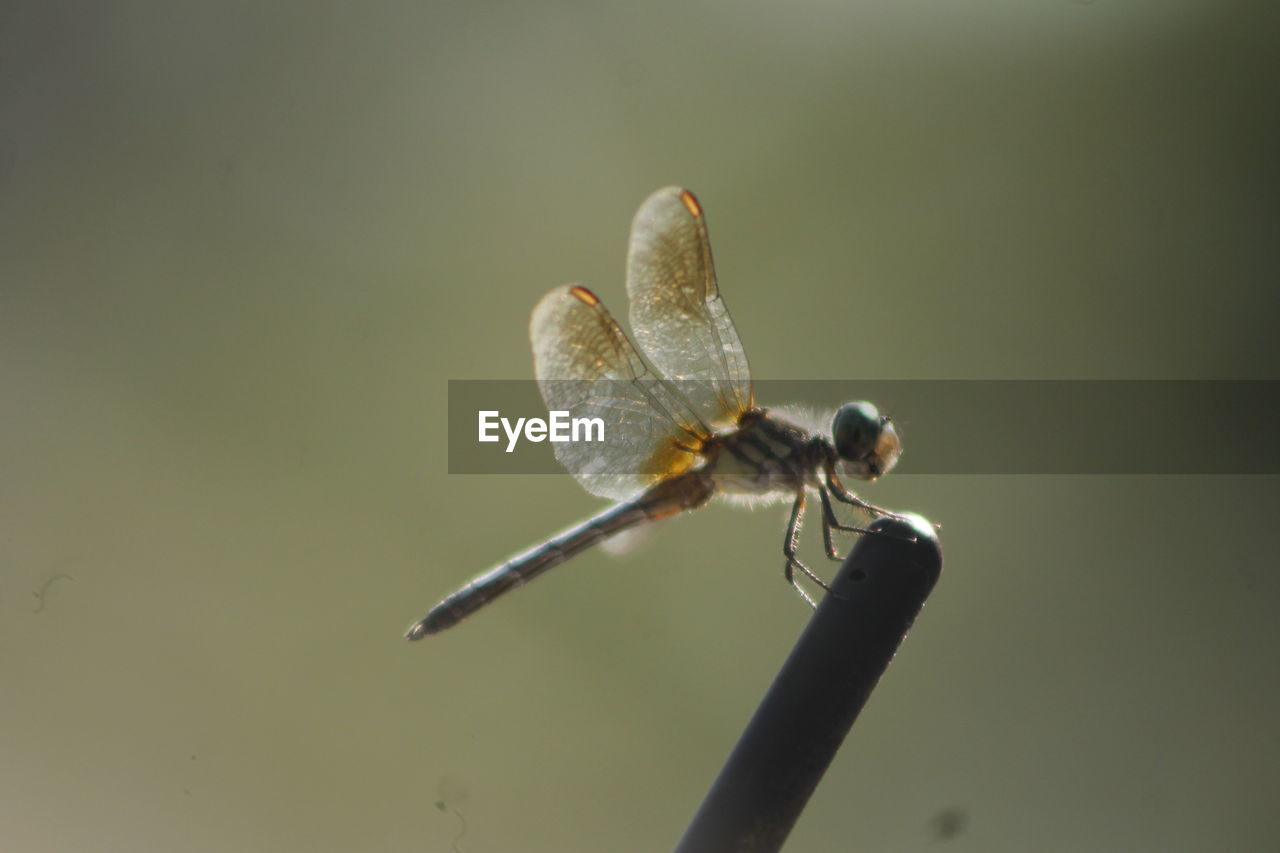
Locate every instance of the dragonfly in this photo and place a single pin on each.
(682, 425)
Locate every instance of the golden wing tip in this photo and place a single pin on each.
(691, 203)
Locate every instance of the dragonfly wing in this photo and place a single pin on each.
(586, 366)
(677, 314)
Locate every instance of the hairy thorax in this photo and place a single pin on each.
(765, 456)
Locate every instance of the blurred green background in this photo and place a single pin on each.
(243, 246)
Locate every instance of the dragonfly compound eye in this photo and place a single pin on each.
(856, 430)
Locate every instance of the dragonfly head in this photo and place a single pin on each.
(865, 440)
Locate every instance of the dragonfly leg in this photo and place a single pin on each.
(830, 523)
(840, 493)
(789, 546)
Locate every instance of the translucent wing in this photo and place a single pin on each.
(677, 315)
(585, 366)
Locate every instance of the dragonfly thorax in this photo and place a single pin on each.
(765, 454)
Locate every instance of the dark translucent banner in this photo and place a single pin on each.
(946, 426)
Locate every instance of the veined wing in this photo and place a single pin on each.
(585, 365)
(677, 314)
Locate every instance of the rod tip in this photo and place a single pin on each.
(907, 525)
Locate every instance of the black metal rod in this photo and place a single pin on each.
(796, 731)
